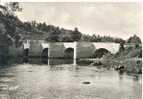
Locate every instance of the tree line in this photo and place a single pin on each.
(57, 34)
(51, 33)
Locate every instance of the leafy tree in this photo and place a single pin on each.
(76, 35)
(67, 39)
(9, 28)
(54, 35)
(134, 39)
(119, 40)
(10, 21)
(13, 6)
(27, 26)
(85, 38)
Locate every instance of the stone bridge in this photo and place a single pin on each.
(62, 49)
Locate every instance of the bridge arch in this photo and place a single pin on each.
(44, 55)
(45, 50)
(69, 52)
(110, 46)
(98, 53)
(72, 48)
(26, 55)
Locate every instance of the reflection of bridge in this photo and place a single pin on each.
(59, 49)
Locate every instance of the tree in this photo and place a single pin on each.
(9, 28)
(27, 26)
(66, 39)
(9, 21)
(54, 35)
(119, 40)
(14, 6)
(76, 35)
(134, 39)
(85, 38)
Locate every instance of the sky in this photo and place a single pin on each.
(110, 19)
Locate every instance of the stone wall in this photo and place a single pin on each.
(35, 49)
(85, 50)
(56, 50)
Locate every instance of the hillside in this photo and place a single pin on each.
(19, 31)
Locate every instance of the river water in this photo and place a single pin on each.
(31, 81)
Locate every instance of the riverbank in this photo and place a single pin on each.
(131, 65)
(128, 60)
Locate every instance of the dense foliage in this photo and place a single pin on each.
(134, 39)
(55, 33)
(98, 38)
(9, 24)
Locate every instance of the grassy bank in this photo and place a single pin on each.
(130, 59)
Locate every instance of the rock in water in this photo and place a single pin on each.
(86, 82)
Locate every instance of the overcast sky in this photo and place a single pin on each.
(114, 19)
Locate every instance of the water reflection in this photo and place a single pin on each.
(39, 60)
(136, 78)
(120, 76)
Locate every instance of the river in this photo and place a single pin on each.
(31, 81)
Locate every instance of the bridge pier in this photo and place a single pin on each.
(48, 55)
(26, 45)
(75, 54)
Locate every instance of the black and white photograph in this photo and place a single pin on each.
(70, 50)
